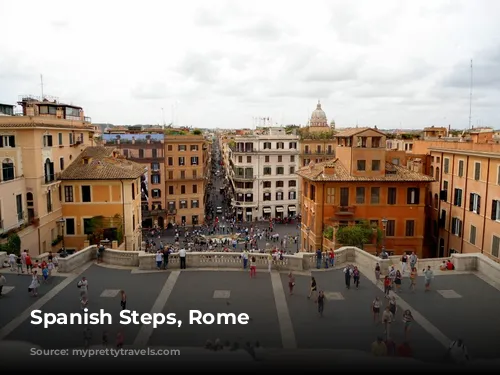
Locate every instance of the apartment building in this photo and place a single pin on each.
(102, 199)
(145, 146)
(187, 162)
(464, 201)
(36, 145)
(360, 184)
(317, 141)
(261, 169)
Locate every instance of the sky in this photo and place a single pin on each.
(390, 64)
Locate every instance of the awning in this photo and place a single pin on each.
(249, 195)
(240, 212)
(291, 208)
(280, 209)
(249, 213)
(267, 210)
(183, 201)
(195, 201)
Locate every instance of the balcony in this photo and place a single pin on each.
(241, 177)
(245, 204)
(145, 158)
(153, 213)
(171, 211)
(345, 210)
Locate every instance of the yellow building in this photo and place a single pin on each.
(101, 192)
(36, 145)
(187, 160)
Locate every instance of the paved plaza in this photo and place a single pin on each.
(459, 306)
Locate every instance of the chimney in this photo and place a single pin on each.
(329, 170)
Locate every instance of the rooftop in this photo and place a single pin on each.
(102, 163)
(351, 132)
(394, 173)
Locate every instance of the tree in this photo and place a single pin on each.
(328, 233)
(13, 245)
(355, 235)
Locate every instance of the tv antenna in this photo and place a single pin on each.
(470, 97)
(41, 84)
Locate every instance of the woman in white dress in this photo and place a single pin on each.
(35, 283)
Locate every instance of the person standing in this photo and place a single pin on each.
(413, 279)
(356, 276)
(318, 258)
(404, 262)
(321, 302)
(376, 309)
(29, 263)
(253, 267)
(245, 259)
(159, 259)
(291, 282)
(407, 321)
(428, 275)
(123, 301)
(3, 281)
(182, 258)
(332, 258)
(398, 281)
(12, 261)
(83, 285)
(35, 283)
(387, 319)
(347, 274)
(377, 273)
(166, 254)
(24, 254)
(413, 260)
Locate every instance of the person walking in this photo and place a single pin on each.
(413, 279)
(404, 262)
(291, 282)
(123, 301)
(318, 258)
(34, 285)
(348, 274)
(376, 304)
(413, 260)
(387, 319)
(321, 302)
(313, 289)
(356, 275)
(83, 285)
(253, 267)
(398, 281)
(182, 258)
(428, 275)
(245, 259)
(3, 281)
(407, 321)
(377, 273)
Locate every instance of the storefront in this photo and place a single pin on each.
(266, 213)
(291, 211)
(239, 214)
(279, 212)
(248, 215)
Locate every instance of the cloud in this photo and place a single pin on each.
(150, 91)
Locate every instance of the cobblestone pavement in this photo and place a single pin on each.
(453, 309)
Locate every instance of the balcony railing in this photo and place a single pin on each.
(172, 211)
(243, 177)
(50, 178)
(153, 213)
(345, 210)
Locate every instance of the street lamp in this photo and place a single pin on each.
(62, 222)
(384, 226)
(307, 237)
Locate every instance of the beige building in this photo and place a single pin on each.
(102, 199)
(187, 160)
(35, 147)
(464, 203)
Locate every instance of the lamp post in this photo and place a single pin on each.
(307, 237)
(62, 222)
(384, 226)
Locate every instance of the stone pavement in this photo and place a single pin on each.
(459, 306)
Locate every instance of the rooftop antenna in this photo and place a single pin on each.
(41, 84)
(163, 116)
(470, 98)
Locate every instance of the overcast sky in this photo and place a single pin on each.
(394, 64)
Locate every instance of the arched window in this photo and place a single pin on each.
(437, 173)
(49, 171)
(7, 170)
(436, 201)
(431, 172)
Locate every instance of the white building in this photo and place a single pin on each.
(262, 169)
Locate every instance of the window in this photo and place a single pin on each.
(495, 246)
(70, 227)
(460, 168)
(266, 159)
(156, 205)
(195, 189)
(267, 170)
(279, 184)
(60, 141)
(446, 166)
(87, 226)
(375, 195)
(155, 179)
(49, 201)
(280, 170)
(183, 204)
(292, 158)
(456, 226)
(183, 189)
(330, 195)
(195, 174)
(437, 174)
(169, 148)
(155, 167)
(156, 193)
(7, 141)
(279, 195)
(436, 201)
(154, 153)
(141, 154)
(49, 171)
(443, 194)
(475, 203)
(31, 206)
(68, 194)
(7, 170)
(171, 190)
(280, 145)
(375, 165)
(360, 195)
(457, 198)
(182, 160)
(195, 203)
(47, 140)
(292, 170)
(391, 195)
(292, 183)
(280, 159)
(71, 138)
(61, 163)
(361, 165)
(495, 210)
(413, 196)
(181, 148)
(86, 193)
(292, 145)
(472, 235)
(170, 161)
(249, 159)
(267, 145)
(19, 207)
(410, 228)
(267, 184)
(292, 195)
(312, 192)
(344, 197)
(267, 196)
(390, 229)
(170, 175)
(442, 219)
(193, 147)
(194, 160)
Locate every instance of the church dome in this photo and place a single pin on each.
(318, 117)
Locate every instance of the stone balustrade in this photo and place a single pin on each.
(121, 258)
(78, 259)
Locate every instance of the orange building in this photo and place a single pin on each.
(360, 185)
(102, 183)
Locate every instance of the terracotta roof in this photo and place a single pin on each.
(102, 165)
(77, 125)
(394, 173)
(350, 132)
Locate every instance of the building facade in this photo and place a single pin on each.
(464, 201)
(360, 185)
(187, 162)
(262, 171)
(146, 147)
(101, 194)
(36, 145)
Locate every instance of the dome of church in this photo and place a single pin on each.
(318, 117)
